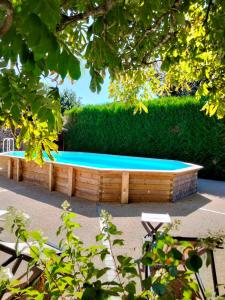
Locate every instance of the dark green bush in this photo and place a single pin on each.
(174, 128)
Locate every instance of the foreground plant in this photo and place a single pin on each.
(78, 272)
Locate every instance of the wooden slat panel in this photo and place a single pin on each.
(111, 197)
(86, 195)
(88, 174)
(111, 186)
(61, 188)
(162, 187)
(4, 166)
(87, 180)
(61, 176)
(31, 173)
(61, 171)
(35, 175)
(155, 175)
(33, 165)
(112, 180)
(147, 192)
(86, 190)
(145, 180)
(62, 183)
(111, 192)
(86, 186)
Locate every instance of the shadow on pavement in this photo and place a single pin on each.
(215, 189)
(180, 208)
(91, 209)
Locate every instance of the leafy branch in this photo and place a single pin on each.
(100, 10)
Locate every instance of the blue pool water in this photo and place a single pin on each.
(114, 162)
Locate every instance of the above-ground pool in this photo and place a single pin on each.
(104, 177)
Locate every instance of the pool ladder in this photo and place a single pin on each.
(8, 145)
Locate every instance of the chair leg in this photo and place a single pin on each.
(16, 265)
(8, 261)
(201, 286)
(214, 275)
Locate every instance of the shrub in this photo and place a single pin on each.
(79, 271)
(173, 128)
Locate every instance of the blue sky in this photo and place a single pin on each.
(81, 88)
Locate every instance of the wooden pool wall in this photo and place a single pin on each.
(104, 185)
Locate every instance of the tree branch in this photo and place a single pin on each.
(157, 23)
(148, 63)
(95, 12)
(151, 29)
(207, 12)
(164, 39)
(7, 5)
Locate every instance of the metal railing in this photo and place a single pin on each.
(8, 145)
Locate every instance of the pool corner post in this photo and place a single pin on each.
(18, 169)
(10, 168)
(71, 181)
(51, 180)
(125, 188)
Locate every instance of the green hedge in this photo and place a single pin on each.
(174, 128)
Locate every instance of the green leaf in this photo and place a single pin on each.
(16, 113)
(158, 288)
(147, 283)
(99, 237)
(63, 64)
(102, 272)
(119, 242)
(147, 259)
(74, 67)
(124, 260)
(36, 235)
(131, 288)
(173, 271)
(112, 229)
(194, 262)
(103, 253)
(176, 254)
(187, 294)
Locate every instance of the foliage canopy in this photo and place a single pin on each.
(39, 38)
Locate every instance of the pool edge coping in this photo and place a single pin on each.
(193, 167)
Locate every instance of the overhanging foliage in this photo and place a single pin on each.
(46, 37)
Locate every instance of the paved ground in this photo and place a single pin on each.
(199, 214)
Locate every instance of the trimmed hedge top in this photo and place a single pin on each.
(174, 128)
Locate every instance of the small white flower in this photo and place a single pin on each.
(14, 218)
(65, 205)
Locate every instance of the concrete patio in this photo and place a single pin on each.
(200, 214)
